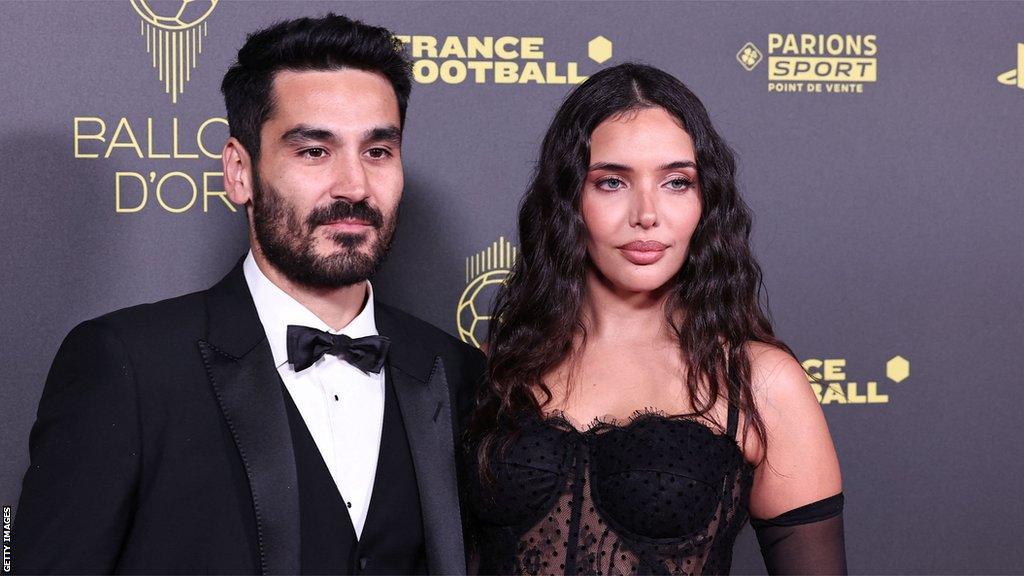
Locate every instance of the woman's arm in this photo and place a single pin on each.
(796, 501)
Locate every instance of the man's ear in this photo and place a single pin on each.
(238, 172)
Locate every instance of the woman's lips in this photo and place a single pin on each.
(643, 253)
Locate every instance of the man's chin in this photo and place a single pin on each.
(345, 253)
(333, 243)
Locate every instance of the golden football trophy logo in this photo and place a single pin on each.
(1015, 76)
(485, 273)
(174, 32)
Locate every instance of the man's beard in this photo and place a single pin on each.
(289, 242)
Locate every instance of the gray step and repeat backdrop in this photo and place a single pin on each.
(880, 146)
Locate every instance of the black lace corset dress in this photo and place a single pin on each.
(655, 495)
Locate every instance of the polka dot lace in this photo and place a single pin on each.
(654, 495)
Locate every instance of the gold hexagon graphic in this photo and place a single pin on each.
(897, 368)
(599, 49)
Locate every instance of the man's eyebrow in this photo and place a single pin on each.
(305, 133)
(391, 134)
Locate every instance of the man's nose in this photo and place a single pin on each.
(350, 182)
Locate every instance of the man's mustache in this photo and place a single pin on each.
(343, 209)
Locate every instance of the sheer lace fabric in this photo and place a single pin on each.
(655, 495)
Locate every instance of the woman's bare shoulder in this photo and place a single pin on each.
(801, 460)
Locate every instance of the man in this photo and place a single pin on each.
(282, 421)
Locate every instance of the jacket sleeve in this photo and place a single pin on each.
(472, 374)
(77, 497)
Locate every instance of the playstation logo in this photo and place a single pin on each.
(1015, 76)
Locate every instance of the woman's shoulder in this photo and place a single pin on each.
(776, 376)
(802, 464)
(783, 398)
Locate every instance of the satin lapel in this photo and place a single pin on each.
(242, 372)
(425, 403)
(426, 412)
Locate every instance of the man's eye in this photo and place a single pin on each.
(378, 153)
(314, 152)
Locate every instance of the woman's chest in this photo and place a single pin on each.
(653, 477)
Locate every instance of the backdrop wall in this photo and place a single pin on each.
(880, 147)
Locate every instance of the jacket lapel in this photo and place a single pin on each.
(424, 400)
(241, 370)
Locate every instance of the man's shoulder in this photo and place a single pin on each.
(183, 315)
(428, 335)
(149, 336)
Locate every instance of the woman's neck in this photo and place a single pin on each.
(614, 314)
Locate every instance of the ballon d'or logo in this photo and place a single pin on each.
(174, 32)
(485, 273)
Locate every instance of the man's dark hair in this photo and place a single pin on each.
(329, 43)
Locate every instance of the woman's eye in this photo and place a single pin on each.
(611, 184)
(679, 183)
(314, 152)
(378, 153)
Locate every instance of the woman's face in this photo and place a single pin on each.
(641, 201)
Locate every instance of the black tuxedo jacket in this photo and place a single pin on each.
(162, 443)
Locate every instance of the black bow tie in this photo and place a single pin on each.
(307, 345)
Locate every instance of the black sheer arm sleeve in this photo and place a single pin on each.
(806, 540)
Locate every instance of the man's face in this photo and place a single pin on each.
(329, 177)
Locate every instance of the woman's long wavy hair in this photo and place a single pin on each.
(714, 306)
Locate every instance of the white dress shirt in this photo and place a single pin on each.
(343, 407)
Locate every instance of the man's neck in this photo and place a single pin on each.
(337, 307)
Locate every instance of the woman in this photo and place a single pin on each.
(639, 408)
